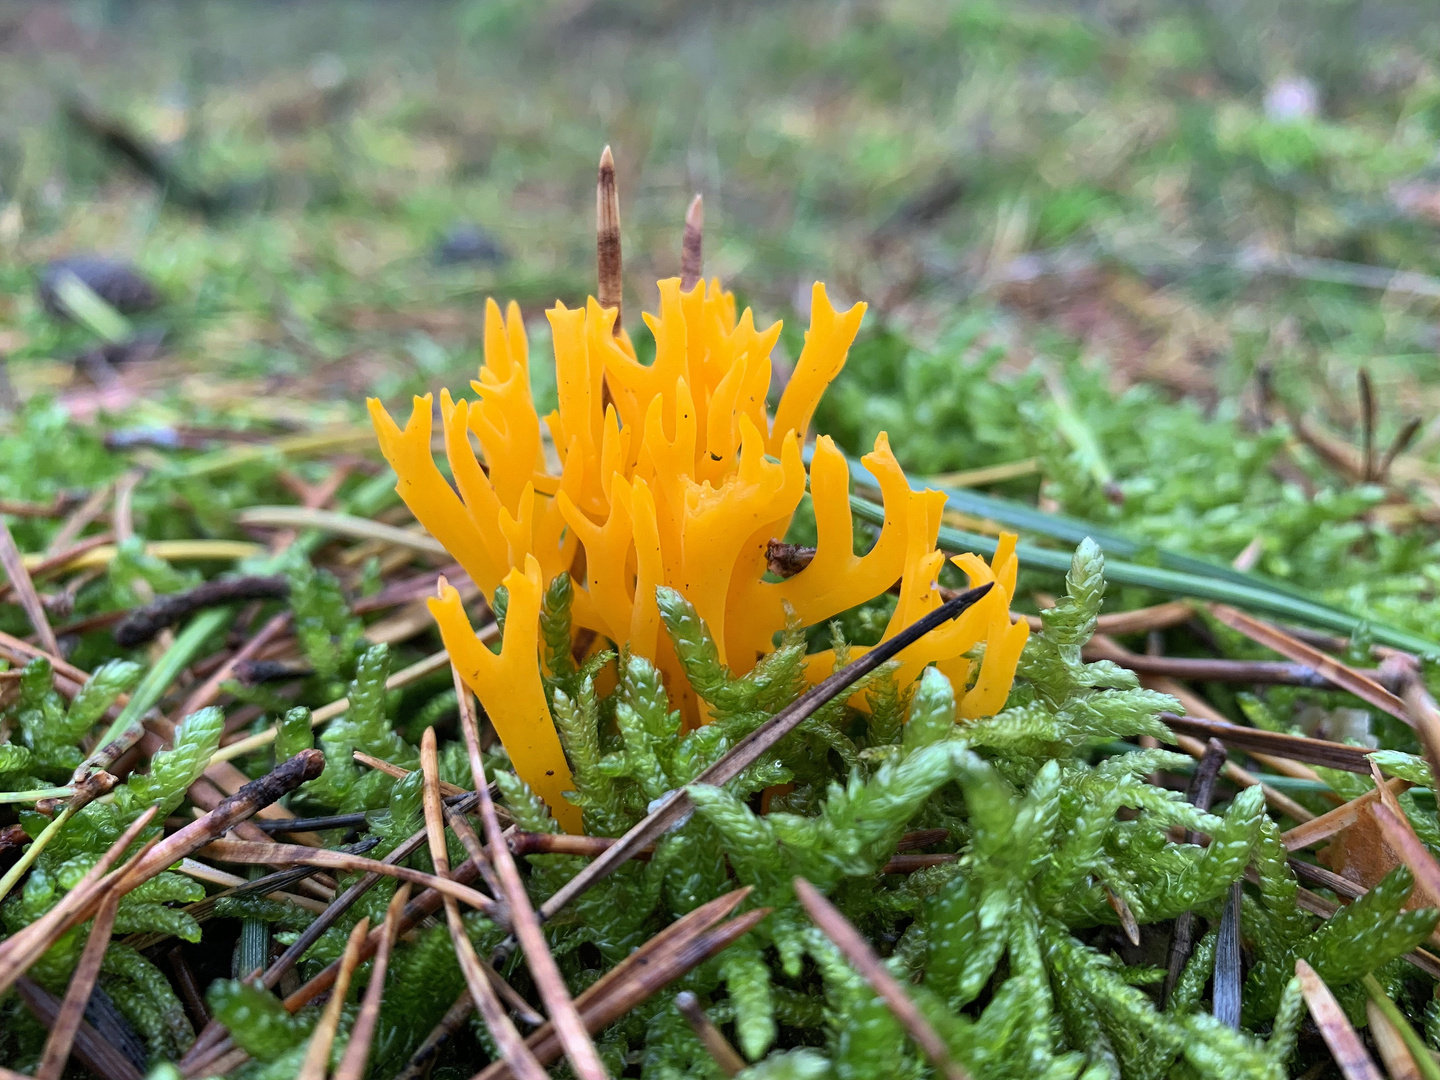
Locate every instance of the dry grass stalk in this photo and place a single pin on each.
(357, 1052)
(403, 677)
(692, 262)
(1345, 1045)
(206, 693)
(77, 996)
(610, 292)
(1425, 718)
(80, 520)
(726, 1057)
(13, 563)
(507, 1038)
(858, 952)
(317, 1054)
(1342, 817)
(579, 1048)
(1342, 675)
(249, 852)
(749, 749)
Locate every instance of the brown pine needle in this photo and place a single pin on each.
(1124, 914)
(357, 1051)
(670, 955)
(1290, 647)
(267, 854)
(24, 947)
(77, 996)
(579, 1047)
(1412, 851)
(1345, 1045)
(857, 950)
(390, 769)
(512, 1046)
(610, 293)
(692, 263)
(13, 563)
(1393, 1052)
(727, 1058)
(317, 1054)
(91, 1049)
(1333, 821)
(750, 749)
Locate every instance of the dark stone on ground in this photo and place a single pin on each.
(120, 284)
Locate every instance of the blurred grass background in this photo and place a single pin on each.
(1109, 183)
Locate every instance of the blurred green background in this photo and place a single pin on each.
(1128, 247)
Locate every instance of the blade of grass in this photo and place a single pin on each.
(1206, 581)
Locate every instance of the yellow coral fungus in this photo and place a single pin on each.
(678, 476)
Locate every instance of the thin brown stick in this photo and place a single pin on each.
(1426, 721)
(579, 1048)
(317, 1054)
(249, 852)
(77, 996)
(1202, 669)
(1276, 800)
(1277, 744)
(1342, 817)
(858, 952)
(749, 750)
(454, 1019)
(610, 293)
(1345, 1045)
(208, 1039)
(692, 263)
(357, 1051)
(1287, 645)
(726, 1057)
(1200, 793)
(511, 1044)
(13, 563)
(206, 693)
